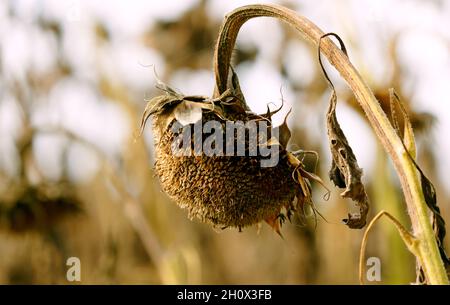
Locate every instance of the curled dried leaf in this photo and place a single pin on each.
(156, 106)
(345, 172)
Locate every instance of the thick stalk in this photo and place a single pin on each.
(428, 255)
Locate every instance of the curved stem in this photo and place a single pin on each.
(233, 22)
(427, 246)
(409, 240)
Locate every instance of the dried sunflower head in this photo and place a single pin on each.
(228, 187)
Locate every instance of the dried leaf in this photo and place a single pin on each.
(284, 133)
(156, 105)
(429, 192)
(345, 167)
(345, 172)
(408, 133)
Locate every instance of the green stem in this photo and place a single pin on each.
(428, 253)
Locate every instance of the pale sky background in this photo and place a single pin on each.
(75, 103)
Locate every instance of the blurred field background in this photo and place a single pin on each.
(74, 181)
